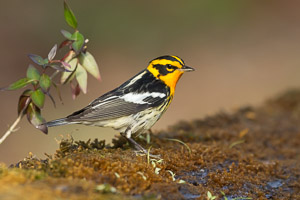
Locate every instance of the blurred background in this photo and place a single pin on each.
(243, 51)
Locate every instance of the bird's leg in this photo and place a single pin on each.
(137, 146)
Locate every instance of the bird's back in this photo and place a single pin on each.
(143, 96)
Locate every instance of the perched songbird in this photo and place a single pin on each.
(135, 106)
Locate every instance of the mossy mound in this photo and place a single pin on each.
(252, 153)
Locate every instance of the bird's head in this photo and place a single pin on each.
(168, 69)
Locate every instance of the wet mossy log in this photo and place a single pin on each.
(250, 153)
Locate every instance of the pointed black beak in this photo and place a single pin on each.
(187, 69)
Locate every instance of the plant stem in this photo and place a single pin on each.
(11, 129)
(54, 74)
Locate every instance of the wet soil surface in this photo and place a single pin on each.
(253, 153)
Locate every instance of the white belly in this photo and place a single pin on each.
(137, 123)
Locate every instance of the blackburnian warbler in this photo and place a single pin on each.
(137, 104)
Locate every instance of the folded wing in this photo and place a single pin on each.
(113, 107)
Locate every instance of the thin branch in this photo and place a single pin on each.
(54, 74)
(12, 128)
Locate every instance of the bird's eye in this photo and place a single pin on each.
(170, 67)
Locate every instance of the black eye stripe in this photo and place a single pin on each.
(163, 69)
(171, 67)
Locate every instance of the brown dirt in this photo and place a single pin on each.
(252, 153)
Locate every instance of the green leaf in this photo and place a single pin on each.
(38, 98)
(209, 195)
(37, 59)
(46, 61)
(81, 77)
(35, 118)
(76, 36)
(90, 64)
(69, 75)
(32, 73)
(18, 84)
(69, 16)
(45, 82)
(52, 52)
(78, 41)
(66, 34)
(77, 45)
(24, 100)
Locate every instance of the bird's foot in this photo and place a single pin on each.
(140, 150)
(144, 152)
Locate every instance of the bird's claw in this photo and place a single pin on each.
(146, 153)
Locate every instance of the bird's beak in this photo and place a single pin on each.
(187, 69)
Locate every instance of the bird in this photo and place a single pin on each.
(136, 105)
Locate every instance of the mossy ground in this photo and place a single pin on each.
(252, 153)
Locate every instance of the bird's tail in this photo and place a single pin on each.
(57, 122)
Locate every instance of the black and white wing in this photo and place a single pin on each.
(141, 92)
(118, 106)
